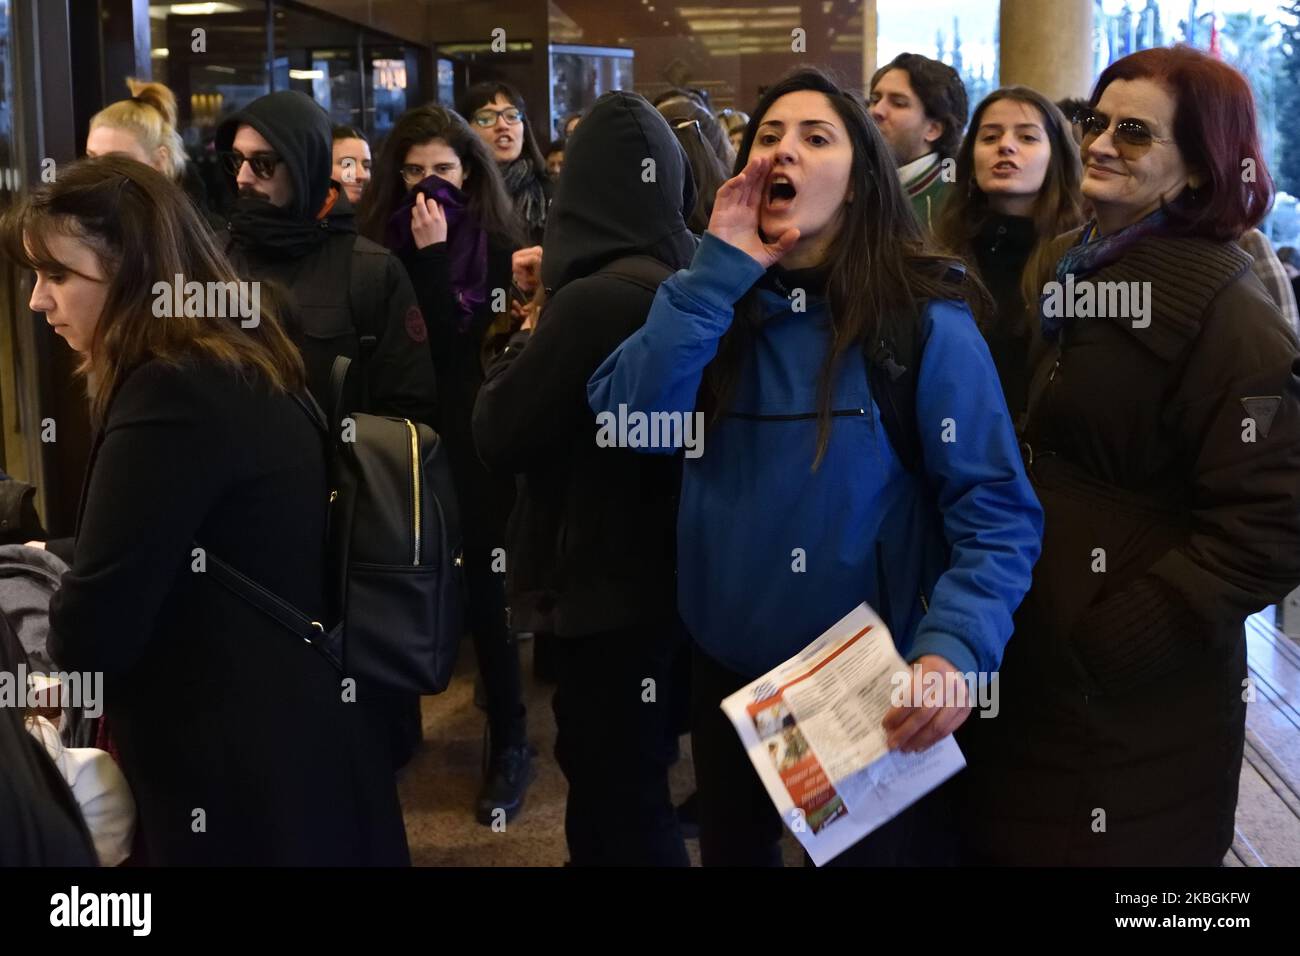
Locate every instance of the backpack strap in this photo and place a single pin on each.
(365, 293)
(891, 376)
(338, 381)
(329, 643)
(893, 369)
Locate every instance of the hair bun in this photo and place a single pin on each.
(155, 95)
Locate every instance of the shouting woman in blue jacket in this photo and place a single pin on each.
(799, 508)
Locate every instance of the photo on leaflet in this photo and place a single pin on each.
(796, 764)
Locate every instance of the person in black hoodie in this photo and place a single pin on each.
(592, 535)
(347, 295)
(1017, 189)
(293, 224)
(437, 201)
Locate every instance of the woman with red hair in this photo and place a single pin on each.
(1163, 440)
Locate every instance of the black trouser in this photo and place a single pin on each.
(739, 825)
(615, 743)
(496, 649)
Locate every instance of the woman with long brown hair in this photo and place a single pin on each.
(1017, 189)
(800, 506)
(437, 201)
(234, 734)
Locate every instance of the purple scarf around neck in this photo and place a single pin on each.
(1093, 253)
(466, 243)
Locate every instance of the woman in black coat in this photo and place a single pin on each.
(438, 202)
(237, 737)
(1163, 438)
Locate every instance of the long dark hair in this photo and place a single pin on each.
(481, 94)
(143, 230)
(1057, 206)
(880, 267)
(488, 200)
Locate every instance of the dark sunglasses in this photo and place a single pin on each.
(1132, 137)
(263, 164)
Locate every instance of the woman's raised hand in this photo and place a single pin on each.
(735, 215)
(428, 224)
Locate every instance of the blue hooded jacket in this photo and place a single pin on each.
(771, 552)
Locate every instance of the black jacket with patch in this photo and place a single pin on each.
(340, 286)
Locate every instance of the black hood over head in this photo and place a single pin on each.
(300, 132)
(604, 207)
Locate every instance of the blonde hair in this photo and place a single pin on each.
(150, 116)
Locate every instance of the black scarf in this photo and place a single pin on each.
(525, 187)
(260, 227)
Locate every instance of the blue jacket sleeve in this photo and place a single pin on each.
(658, 369)
(991, 516)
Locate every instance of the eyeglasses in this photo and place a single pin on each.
(413, 173)
(263, 164)
(1132, 137)
(488, 117)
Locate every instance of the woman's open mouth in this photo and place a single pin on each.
(780, 192)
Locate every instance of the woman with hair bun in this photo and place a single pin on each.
(142, 127)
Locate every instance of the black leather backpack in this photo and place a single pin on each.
(394, 554)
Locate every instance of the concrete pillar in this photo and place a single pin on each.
(1047, 45)
(870, 31)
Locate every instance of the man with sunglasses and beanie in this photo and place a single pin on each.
(920, 107)
(292, 225)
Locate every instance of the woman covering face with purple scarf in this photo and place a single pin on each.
(438, 202)
(437, 211)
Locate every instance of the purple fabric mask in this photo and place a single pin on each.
(466, 242)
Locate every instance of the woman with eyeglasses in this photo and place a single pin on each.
(1163, 439)
(1017, 190)
(437, 201)
(495, 111)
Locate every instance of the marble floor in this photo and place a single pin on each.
(439, 785)
(1268, 803)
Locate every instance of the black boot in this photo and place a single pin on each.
(507, 774)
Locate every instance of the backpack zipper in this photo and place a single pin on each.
(839, 413)
(415, 487)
